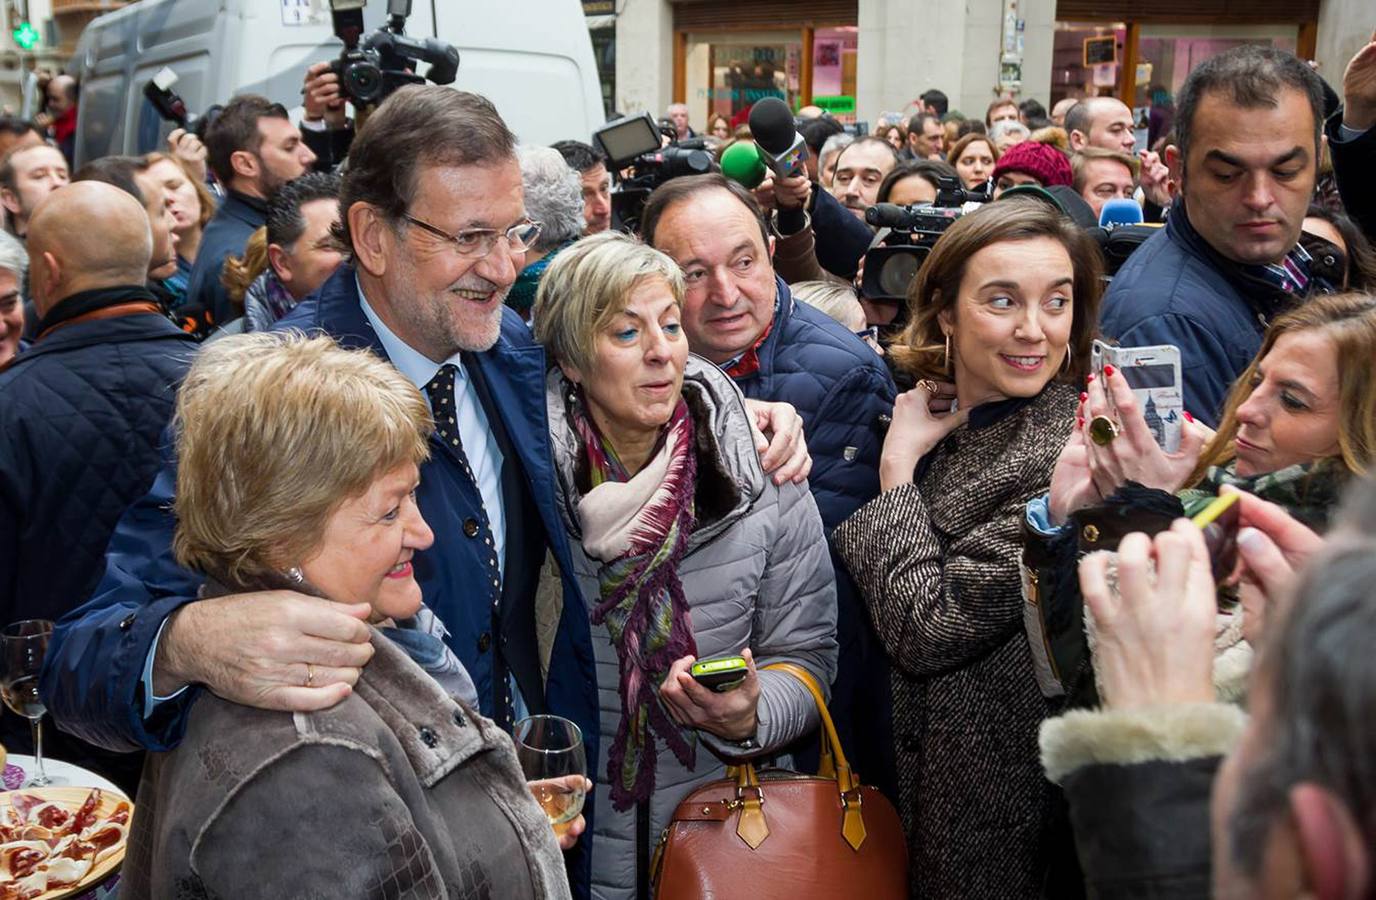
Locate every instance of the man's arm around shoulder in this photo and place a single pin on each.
(92, 676)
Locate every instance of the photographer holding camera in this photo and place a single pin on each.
(253, 149)
(326, 127)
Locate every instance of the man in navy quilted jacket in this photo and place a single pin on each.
(741, 316)
(82, 409)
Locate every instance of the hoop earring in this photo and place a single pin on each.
(946, 356)
(1065, 362)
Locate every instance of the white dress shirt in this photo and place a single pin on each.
(475, 431)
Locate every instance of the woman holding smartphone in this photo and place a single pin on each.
(1003, 313)
(1297, 426)
(684, 549)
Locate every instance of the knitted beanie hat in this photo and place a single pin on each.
(1042, 161)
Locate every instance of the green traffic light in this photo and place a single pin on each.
(26, 36)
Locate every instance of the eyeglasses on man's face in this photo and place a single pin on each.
(475, 243)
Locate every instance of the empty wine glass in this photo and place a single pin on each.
(22, 648)
(550, 749)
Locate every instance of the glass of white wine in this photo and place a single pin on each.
(22, 648)
(550, 749)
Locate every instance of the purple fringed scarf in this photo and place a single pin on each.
(638, 527)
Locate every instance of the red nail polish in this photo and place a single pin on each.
(1188, 417)
(1083, 396)
(1080, 422)
(1108, 370)
(1090, 378)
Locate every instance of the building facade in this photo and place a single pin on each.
(58, 25)
(863, 58)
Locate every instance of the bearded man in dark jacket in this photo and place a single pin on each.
(83, 410)
(741, 316)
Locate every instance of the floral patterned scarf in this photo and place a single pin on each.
(638, 527)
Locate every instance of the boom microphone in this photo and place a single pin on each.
(743, 163)
(771, 125)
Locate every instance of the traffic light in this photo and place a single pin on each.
(26, 36)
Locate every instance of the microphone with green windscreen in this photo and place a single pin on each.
(743, 164)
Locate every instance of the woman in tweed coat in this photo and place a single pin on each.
(1005, 308)
(684, 549)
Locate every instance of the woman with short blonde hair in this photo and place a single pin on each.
(297, 468)
(334, 421)
(683, 549)
(579, 306)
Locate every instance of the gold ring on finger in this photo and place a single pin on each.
(1102, 430)
(929, 386)
(310, 674)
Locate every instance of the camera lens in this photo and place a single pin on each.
(363, 82)
(898, 271)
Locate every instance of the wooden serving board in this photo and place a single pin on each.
(71, 798)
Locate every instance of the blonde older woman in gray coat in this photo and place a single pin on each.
(297, 464)
(684, 549)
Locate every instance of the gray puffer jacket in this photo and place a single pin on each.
(756, 574)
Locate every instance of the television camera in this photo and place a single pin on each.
(640, 161)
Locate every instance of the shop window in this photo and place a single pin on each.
(1082, 64)
(833, 71)
(726, 73)
(1167, 53)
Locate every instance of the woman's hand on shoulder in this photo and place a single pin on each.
(921, 418)
(729, 715)
(1134, 454)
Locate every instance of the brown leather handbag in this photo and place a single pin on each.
(781, 834)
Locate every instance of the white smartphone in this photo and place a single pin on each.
(1153, 373)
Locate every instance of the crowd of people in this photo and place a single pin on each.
(335, 451)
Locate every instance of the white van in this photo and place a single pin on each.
(532, 58)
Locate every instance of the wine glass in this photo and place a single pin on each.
(550, 749)
(22, 647)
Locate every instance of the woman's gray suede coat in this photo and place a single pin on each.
(398, 791)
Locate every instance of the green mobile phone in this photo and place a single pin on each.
(720, 674)
(1220, 521)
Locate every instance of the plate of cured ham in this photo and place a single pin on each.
(59, 841)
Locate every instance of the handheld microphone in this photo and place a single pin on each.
(1120, 212)
(743, 163)
(771, 125)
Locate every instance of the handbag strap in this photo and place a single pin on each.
(834, 765)
(833, 757)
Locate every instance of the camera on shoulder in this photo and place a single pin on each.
(372, 66)
(640, 161)
(906, 235)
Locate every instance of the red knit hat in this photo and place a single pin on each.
(1042, 161)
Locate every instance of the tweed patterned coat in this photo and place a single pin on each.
(937, 563)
